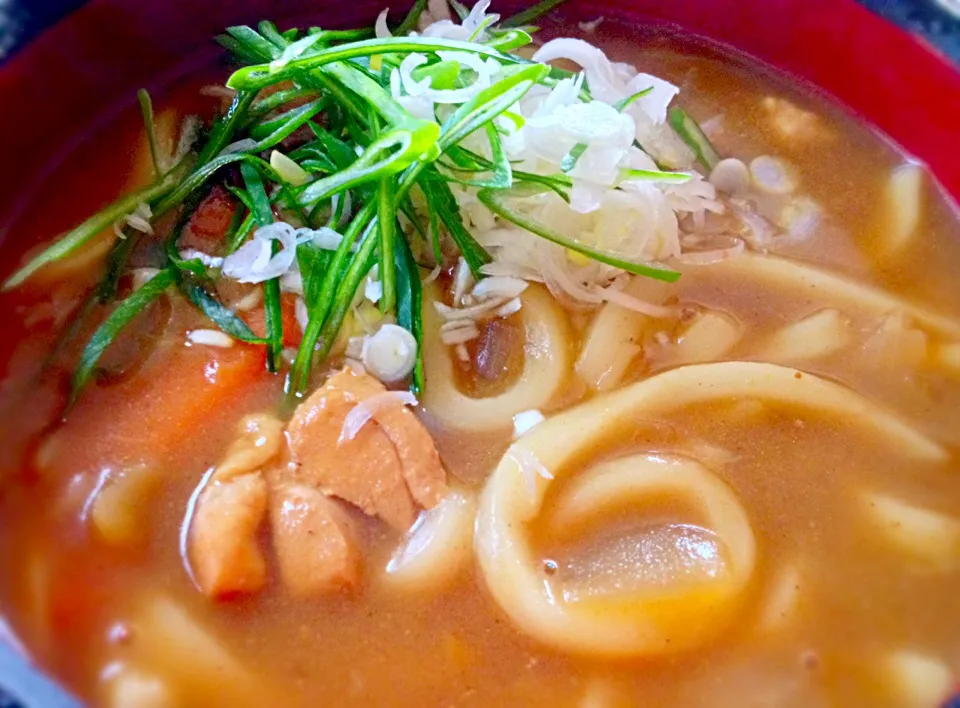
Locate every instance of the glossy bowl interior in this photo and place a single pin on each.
(79, 74)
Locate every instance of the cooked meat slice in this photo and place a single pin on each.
(259, 439)
(207, 227)
(314, 541)
(364, 471)
(224, 550)
(418, 456)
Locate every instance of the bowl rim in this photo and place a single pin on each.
(853, 35)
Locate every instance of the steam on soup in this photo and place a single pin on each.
(459, 370)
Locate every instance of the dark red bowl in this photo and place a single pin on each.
(81, 72)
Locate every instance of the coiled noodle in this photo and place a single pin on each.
(512, 500)
(546, 364)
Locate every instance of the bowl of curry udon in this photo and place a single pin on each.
(468, 356)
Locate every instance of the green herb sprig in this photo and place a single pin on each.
(364, 148)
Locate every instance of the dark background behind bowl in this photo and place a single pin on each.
(21, 20)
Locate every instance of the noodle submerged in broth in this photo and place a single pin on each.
(438, 363)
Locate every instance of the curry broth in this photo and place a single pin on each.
(77, 603)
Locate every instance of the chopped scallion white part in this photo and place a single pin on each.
(390, 354)
(289, 170)
(210, 338)
(525, 421)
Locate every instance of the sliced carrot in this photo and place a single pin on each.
(85, 262)
(78, 598)
(173, 401)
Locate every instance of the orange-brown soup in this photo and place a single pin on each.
(849, 490)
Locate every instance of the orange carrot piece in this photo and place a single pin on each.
(167, 404)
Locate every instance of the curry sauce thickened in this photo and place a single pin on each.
(79, 606)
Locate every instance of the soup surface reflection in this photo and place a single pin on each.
(750, 499)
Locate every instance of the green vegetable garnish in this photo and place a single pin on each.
(498, 201)
(129, 308)
(146, 110)
(691, 133)
(366, 161)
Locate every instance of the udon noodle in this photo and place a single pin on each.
(426, 372)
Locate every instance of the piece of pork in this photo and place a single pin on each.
(314, 541)
(224, 547)
(387, 469)
(225, 552)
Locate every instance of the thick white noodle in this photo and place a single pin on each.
(511, 569)
(915, 678)
(782, 599)
(818, 335)
(184, 652)
(902, 209)
(926, 536)
(710, 337)
(610, 345)
(545, 368)
(437, 548)
(656, 621)
(821, 286)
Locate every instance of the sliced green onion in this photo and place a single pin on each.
(502, 170)
(624, 103)
(377, 161)
(238, 238)
(691, 133)
(79, 235)
(569, 160)
(440, 200)
(314, 263)
(343, 36)
(527, 16)
(294, 50)
(255, 77)
(272, 307)
(357, 270)
(410, 307)
(146, 110)
(511, 39)
(278, 99)
(443, 74)
(413, 17)
(497, 201)
(556, 183)
(655, 176)
(252, 44)
(272, 35)
(489, 103)
(341, 154)
(276, 130)
(260, 202)
(387, 217)
(225, 128)
(209, 304)
(299, 376)
(107, 332)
